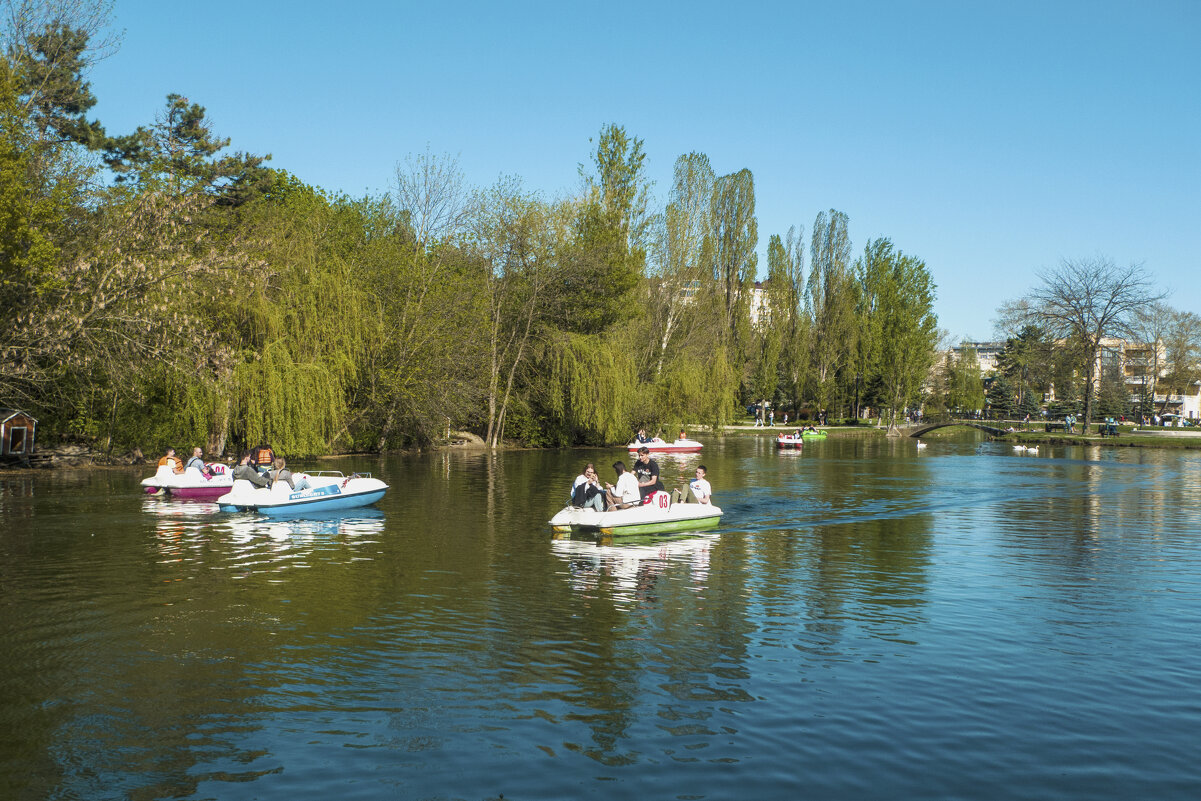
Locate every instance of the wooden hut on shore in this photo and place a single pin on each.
(18, 433)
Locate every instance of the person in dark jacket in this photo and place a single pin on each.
(245, 470)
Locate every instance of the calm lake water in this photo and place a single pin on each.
(871, 621)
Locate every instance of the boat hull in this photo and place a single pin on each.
(191, 483)
(644, 519)
(789, 442)
(328, 494)
(198, 493)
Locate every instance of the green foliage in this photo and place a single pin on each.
(831, 296)
(606, 261)
(182, 147)
(49, 66)
(734, 237)
(591, 388)
(203, 299)
(964, 386)
(698, 390)
(1002, 399)
(1026, 361)
(32, 207)
(296, 407)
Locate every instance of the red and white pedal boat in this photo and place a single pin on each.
(191, 483)
(660, 445)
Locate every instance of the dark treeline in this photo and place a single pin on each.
(158, 289)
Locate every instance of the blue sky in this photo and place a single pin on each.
(991, 139)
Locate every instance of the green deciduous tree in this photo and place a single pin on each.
(908, 330)
(609, 257)
(963, 381)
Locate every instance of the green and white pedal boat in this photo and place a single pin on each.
(659, 517)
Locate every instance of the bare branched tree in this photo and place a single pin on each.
(1083, 301)
(431, 190)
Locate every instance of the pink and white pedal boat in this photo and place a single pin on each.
(785, 441)
(191, 483)
(660, 445)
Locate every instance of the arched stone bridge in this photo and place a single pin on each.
(922, 428)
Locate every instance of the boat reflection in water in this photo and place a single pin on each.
(630, 570)
(180, 508)
(362, 522)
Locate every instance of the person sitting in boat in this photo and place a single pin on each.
(172, 460)
(197, 461)
(282, 473)
(641, 436)
(247, 471)
(810, 428)
(626, 493)
(262, 458)
(683, 435)
(700, 486)
(646, 470)
(586, 490)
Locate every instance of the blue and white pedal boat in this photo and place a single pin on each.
(327, 492)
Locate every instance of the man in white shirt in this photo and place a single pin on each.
(700, 487)
(625, 494)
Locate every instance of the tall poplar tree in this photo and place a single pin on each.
(830, 303)
(735, 235)
(678, 267)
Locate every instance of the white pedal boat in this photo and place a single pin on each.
(191, 483)
(660, 445)
(659, 517)
(327, 492)
(790, 441)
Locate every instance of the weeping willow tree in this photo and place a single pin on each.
(290, 333)
(591, 388)
(296, 406)
(696, 389)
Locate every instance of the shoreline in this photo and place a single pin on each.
(76, 457)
